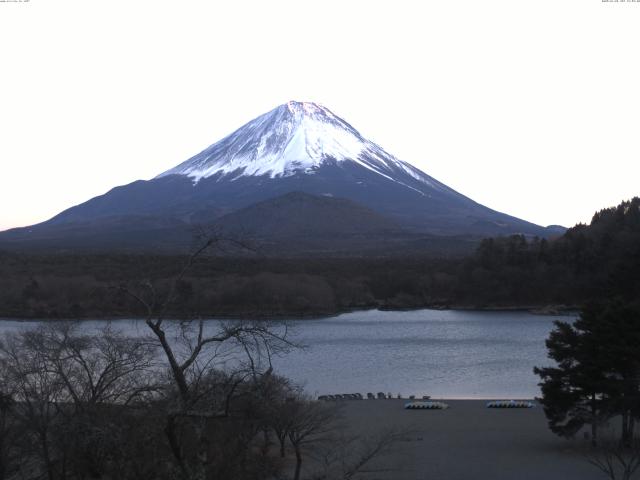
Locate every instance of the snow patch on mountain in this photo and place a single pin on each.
(292, 138)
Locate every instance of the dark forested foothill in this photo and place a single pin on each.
(587, 262)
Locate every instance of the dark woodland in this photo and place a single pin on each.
(589, 261)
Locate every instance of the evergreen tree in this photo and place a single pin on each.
(598, 371)
(572, 392)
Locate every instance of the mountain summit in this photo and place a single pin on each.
(237, 182)
(297, 137)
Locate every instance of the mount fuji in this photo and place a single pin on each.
(297, 175)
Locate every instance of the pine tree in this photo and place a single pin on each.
(598, 371)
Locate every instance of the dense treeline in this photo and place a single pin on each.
(68, 286)
(588, 261)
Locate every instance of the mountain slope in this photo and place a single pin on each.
(298, 214)
(297, 147)
(298, 223)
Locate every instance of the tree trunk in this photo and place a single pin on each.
(170, 432)
(296, 476)
(2, 457)
(626, 440)
(594, 421)
(203, 448)
(266, 442)
(47, 457)
(176, 370)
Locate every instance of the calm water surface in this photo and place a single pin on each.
(442, 353)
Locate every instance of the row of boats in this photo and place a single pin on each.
(492, 404)
(425, 404)
(370, 396)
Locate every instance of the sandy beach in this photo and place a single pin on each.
(469, 441)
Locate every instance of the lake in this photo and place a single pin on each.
(442, 353)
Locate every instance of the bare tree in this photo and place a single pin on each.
(617, 460)
(310, 423)
(346, 456)
(38, 394)
(68, 388)
(192, 351)
(276, 394)
(7, 435)
(102, 368)
(315, 430)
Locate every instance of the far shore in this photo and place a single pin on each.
(544, 310)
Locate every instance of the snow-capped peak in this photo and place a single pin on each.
(297, 137)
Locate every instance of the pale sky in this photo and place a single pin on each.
(528, 107)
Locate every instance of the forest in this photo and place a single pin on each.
(588, 261)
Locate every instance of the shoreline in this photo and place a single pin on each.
(545, 310)
(439, 399)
